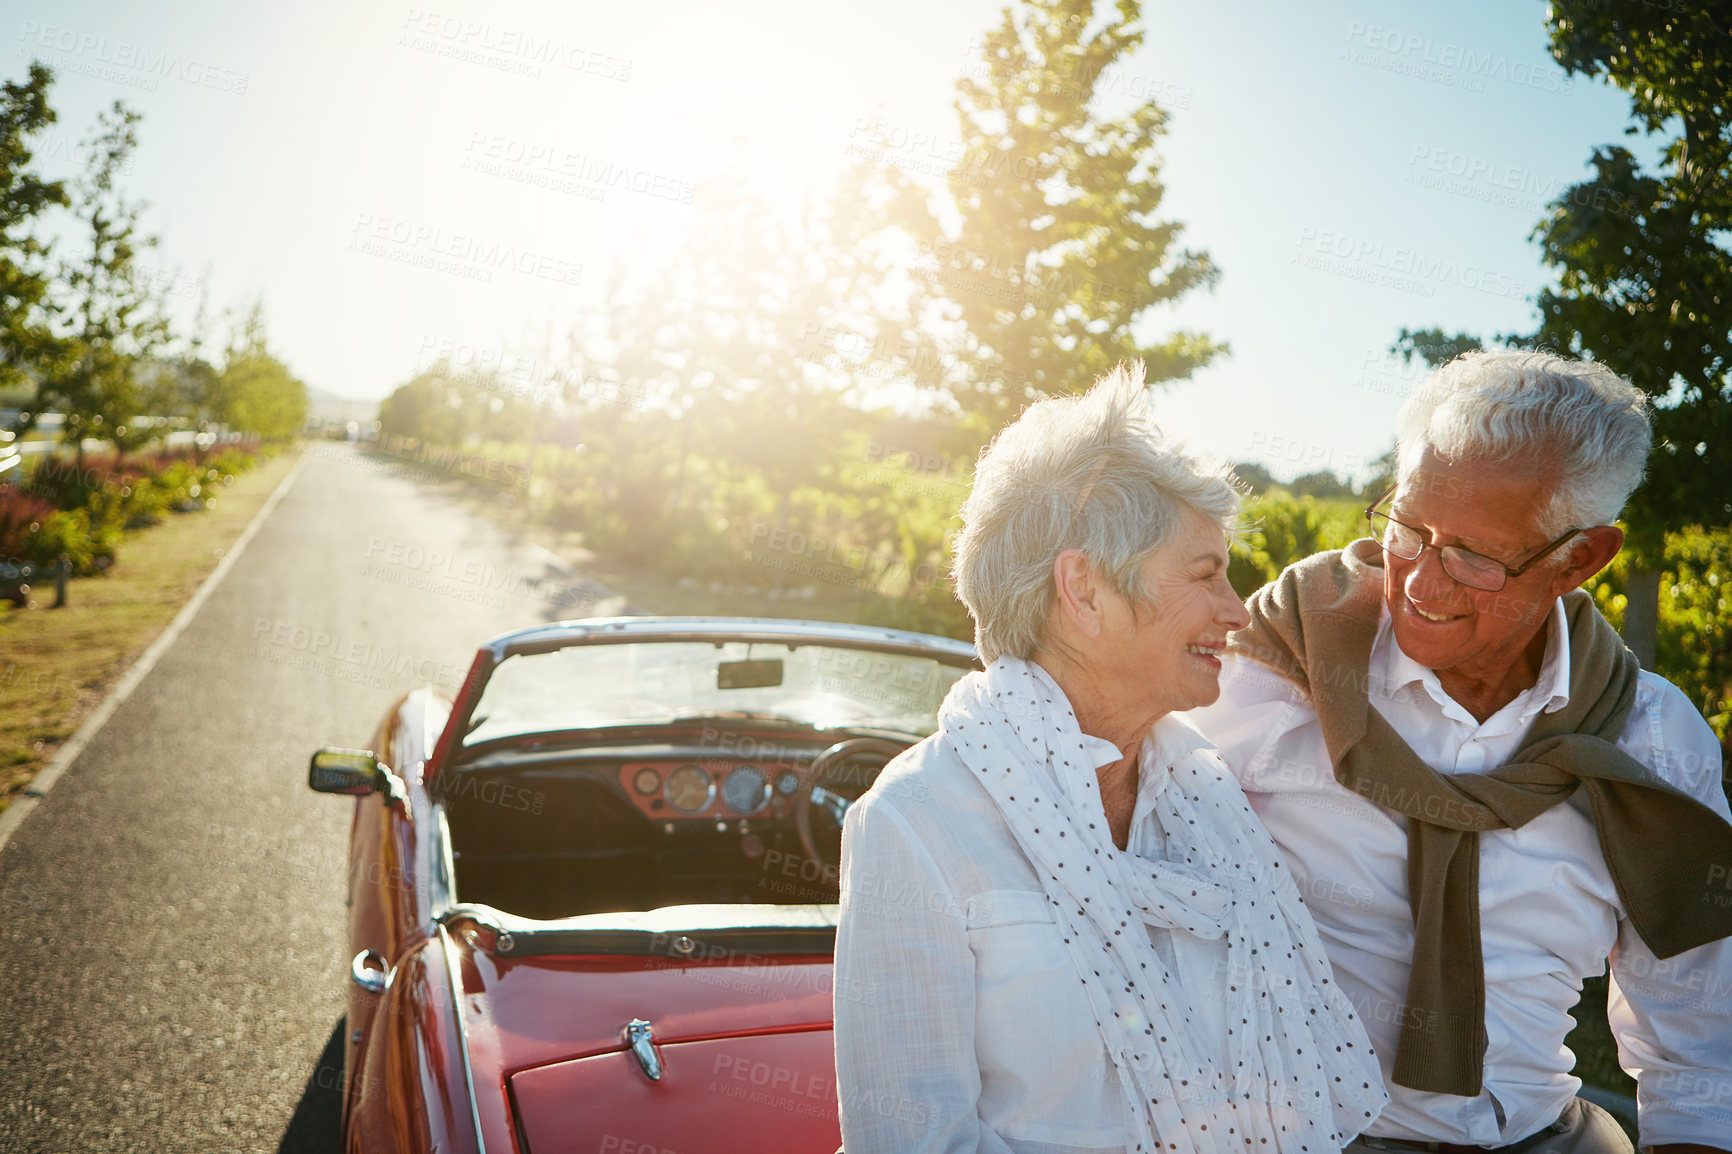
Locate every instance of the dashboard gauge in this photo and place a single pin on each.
(787, 782)
(646, 781)
(690, 789)
(746, 789)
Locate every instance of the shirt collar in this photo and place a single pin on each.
(1168, 740)
(1393, 671)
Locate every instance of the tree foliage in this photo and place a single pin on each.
(738, 395)
(1058, 251)
(83, 326)
(1645, 276)
(1433, 346)
(24, 196)
(108, 319)
(255, 391)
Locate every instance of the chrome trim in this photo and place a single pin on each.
(667, 785)
(396, 793)
(671, 931)
(482, 926)
(765, 789)
(452, 962)
(613, 630)
(374, 981)
(640, 1036)
(442, 874)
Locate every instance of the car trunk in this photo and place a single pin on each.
(742, 1033)
(747, 1093)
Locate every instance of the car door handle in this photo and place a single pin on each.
(369, 971)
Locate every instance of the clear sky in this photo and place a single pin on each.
(1352, 166)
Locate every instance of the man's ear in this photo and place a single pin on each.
(1077, 592)
(1590, 552)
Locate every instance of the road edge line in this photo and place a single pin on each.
(26, 802)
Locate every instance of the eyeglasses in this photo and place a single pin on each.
(1475, 570)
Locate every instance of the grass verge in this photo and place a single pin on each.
(58, 663)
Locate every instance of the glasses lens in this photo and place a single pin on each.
(1473, 570)
(1397, 538)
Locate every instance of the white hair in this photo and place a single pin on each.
(1581, 422)
(1089, 472)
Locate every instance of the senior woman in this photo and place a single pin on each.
(1062, 928)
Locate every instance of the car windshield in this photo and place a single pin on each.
(585, 686)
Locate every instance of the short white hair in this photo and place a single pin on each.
(1090, 472)
(1580, 421)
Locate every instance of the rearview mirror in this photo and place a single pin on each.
(354, 771)
(749, 674)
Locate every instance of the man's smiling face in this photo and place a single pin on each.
(1495, 511)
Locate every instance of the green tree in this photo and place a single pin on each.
(1057, 251)
(110, 320)
(1433, 346)
(1644, 273)
(1645, 276)
(25, 339)
(255, 391)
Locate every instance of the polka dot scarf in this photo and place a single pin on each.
(1299, 1074)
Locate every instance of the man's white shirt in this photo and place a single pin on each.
(1549, 912)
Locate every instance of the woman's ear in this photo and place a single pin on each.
(1077, 592)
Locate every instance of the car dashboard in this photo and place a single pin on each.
(621, 825)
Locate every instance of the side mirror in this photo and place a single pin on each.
(353, 771)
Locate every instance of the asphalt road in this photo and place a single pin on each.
(172, 930)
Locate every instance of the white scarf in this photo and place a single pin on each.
(1299, 1071)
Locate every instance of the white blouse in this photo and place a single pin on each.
(990, 1044)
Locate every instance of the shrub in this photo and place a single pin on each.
(1284, 529)
(89, 547)
(21, 514)
(1693, 649)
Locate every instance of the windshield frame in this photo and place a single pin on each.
(632, 630)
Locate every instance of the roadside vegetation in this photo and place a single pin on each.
(56, 664)
(126, 435)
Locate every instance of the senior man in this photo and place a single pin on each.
(1480, 794)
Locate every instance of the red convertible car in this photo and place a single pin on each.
(592, 901)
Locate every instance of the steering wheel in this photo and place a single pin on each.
(834, 782)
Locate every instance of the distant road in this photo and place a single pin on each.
(172, 932)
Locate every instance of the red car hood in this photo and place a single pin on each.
(737, 1031)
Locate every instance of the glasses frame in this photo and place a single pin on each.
(1442, 550)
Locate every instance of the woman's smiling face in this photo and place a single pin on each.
(1168, 653)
